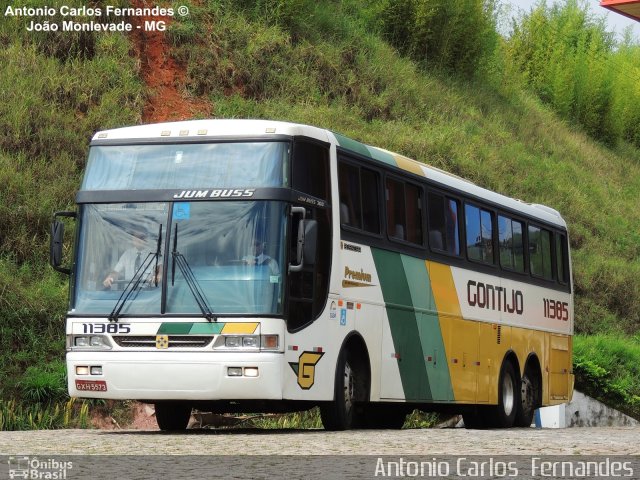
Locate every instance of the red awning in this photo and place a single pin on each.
(628, 8)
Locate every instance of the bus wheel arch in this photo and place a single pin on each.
(530, 391)
(351, 385)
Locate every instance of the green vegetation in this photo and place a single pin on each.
(572, 63)
(607, 367)
(547, 118)
(22, 416)
(57, 88)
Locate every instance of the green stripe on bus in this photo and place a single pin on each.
(349, 144)
(206, 328)
(431, 340)
(403, 324)
(174, 329)
(382, 156)
(201, 328)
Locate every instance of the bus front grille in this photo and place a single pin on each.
(175, 341)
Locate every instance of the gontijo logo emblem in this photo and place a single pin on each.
(305, 369)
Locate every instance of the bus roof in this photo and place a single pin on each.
(208, 129)
(192, 129)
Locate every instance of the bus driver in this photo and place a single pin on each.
(130, 261)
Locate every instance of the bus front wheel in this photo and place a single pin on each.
(172, 415)
(351, 387)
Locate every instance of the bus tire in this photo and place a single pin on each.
(172, 415)
(503, 414)
(529, 399)
(351, 386)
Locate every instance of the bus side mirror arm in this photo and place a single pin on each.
(300, 241)
(56, 241)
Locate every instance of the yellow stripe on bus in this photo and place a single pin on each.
(444, 290)
(246, 328)
(409, 165)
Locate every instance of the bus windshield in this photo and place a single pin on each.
(233, 252)
(174, 166)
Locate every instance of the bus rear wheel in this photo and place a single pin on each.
(529, 399)
(351, 387)
(172, 415)
(503, 415)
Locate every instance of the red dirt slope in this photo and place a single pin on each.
(164, 77)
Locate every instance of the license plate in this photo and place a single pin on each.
(91, 385)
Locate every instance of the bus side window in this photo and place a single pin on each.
(350, 205)
(404, 211)
(540, 252)
(396, 222)
(511, 244)
(310, 169)
(479, 225)
(561, 258)
(359, 206)
(443, 224)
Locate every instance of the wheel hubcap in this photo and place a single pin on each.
(508, 394)
(527, 394)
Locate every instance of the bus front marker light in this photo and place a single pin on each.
(269, 342)
(82, 370)
(234, 371)
(96, 370)
(250, 371)
(233, 342)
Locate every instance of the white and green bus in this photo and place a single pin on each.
(250, 265)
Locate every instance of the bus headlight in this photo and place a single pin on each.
(233, 342)
(88, 342)
(248, 342)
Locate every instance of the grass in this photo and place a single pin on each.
(19, 416)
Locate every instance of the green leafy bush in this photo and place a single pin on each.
(608, 368)
(46, 383)
(456, 37)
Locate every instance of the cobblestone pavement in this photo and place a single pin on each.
(574, 441)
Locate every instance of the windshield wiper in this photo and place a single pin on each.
(190, 278)
(136, 282)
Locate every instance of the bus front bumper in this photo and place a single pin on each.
(175, 375)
